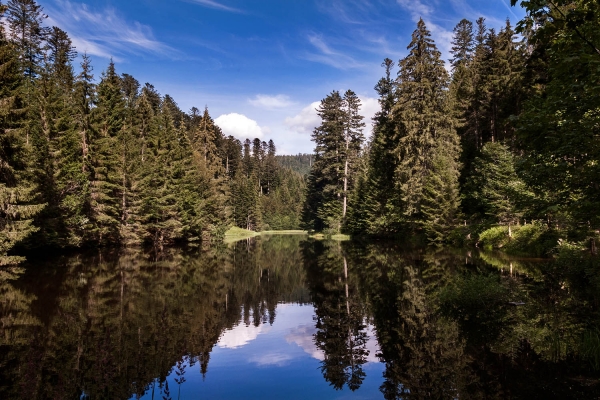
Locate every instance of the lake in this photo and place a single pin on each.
(286, 317)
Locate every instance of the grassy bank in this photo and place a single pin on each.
(535, 239)
(234, 234)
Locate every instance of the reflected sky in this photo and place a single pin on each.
(279, 361)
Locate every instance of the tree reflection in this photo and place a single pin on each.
(116, 324)
(449, 324)
(339, 317)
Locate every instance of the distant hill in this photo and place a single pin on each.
(300, 163)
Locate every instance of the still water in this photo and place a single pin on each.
(284, 317)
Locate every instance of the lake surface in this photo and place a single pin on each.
(284, 317)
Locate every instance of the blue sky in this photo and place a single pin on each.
(261, 66)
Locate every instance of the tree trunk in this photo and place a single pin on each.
(345, 182)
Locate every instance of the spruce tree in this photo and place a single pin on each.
(427, 140)
(323, 207)
(107, 190)
(494, 189)
(353, 140)
(17, 191)
(381, 159)
(209, 176)
(63, 180)
(338, 142)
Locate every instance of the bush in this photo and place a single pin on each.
(494, 238)
(531, 240)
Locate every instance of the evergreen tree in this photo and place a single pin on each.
(271, 168)
(353, 140)
(337, 147)
(494, 187)
(382, 163)
(559, 126)
(323, 207)
(25, 19)
(107, 189)
(17, 192)
(427, 140)
(209, 177)
(61, 176)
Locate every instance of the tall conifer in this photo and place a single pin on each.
(17, 191)
(427, 141)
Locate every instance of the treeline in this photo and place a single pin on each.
(510, 136)
(115, 162)
(300, 163)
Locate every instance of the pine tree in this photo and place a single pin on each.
(17, 192)
(382, 162)
(494, 187)
(353, 140)
(107, 191)
(271, 168)
(427, 141)
(161, 178)
(24, 19)
(337, 147)
(209, 176)
(63, 180)
(323, 208)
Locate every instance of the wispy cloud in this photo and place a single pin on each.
(215, 5)
(329, 56)
(104, 33)
(271, 102)
(354, 12)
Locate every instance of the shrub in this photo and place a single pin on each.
(532, 240)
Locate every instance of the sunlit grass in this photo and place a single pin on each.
(240, 232)
(284, 232)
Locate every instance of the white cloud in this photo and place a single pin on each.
(271, 102)
(239, 336)
(308, 119)
(303, 336)
(278, 359)
(103, 32)
(370, 106)
(239, 126)
(215, 5)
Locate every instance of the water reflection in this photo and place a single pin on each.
(285, 317)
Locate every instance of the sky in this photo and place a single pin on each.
(261, 66)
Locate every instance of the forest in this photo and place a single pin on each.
(498, 148)
(113, 162)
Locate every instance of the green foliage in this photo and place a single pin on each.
(535, 239)
(18, 205)
(494, 190)
(479, 302)
(300, 163)
(590, 348)
(338, 142)
(558, 128)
